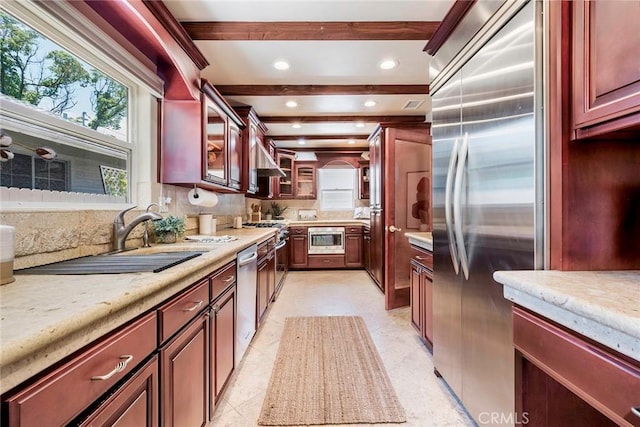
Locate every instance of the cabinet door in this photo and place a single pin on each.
(284, 188)
(363, 173)
(416, 297)
(426, 284)
(215, 142)
(223, 322)
(299, 252)
(252, 185)
(235, 156)
(271, 276)
(353, 250)
(134, 404)
(305, 181)
(366, 250)
(184, 377)
(606, 74)
(263, 290)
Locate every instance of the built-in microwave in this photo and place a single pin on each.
(326, 240)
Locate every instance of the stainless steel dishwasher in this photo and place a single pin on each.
(246, 289)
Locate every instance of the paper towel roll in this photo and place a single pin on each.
(198, 197)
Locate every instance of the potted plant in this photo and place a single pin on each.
(277, 210)
(169, 229)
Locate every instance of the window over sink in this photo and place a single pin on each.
(66, 109)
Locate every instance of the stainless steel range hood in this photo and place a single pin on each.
(265, 164)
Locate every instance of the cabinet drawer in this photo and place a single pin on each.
(222, 279)
(263, 249)
(612, 385)
(61, 395)
(326, 261)
(182, 308)
(297, 230)
(422, 256)
(353, 230)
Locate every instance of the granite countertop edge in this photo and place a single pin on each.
(423, 239)
(601, 305)
(45, 318)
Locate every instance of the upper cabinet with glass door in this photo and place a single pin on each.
(222, 145)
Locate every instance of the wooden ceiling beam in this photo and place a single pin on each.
(301, 90)
(311, 30)
(277, 138)
(330, 119)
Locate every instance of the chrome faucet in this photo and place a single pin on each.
(145, 236)
(121, 231)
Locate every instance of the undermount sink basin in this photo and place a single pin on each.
(115, 263)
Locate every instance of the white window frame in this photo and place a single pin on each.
(67, 27)
(322, 191)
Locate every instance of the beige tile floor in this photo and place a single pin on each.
(425, 398)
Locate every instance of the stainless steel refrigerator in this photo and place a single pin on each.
(488, 189)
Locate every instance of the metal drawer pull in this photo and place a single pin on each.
(229, 279)
(195, 306)
(122, 364)
(635, 410)
(420, 258)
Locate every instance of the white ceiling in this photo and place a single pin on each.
(234, 62)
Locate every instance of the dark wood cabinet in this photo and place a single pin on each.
(564, 378)
(421, 290)
(366, 248)
(298, 254)
(184, 391)
(266, 277)
(135, 404)
(222, 338)
(325, 261)
(285, 188)
(235, 155)
(263, 290)
(252, 135)
(304, 180)
(363, 180)
(353, 247)
(220, 134)
(199, 142)
(89, 374)
(606, 74)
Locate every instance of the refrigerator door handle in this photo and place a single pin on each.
(448, 186)
(457, 205)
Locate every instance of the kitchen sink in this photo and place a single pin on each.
(115, 263)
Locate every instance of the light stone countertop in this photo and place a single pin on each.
(422, 239)
(44, 318)
(327, 222)
(601, 305)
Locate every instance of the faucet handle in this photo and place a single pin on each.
(120, 216)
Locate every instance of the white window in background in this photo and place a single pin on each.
(63, 90)
(337, 188)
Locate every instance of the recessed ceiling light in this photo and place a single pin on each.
(388, 64)
(359, 125)
(351, 141)
(281, 65)
(296, 126)
(370, 103)
(301, 141)
(291, 104)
